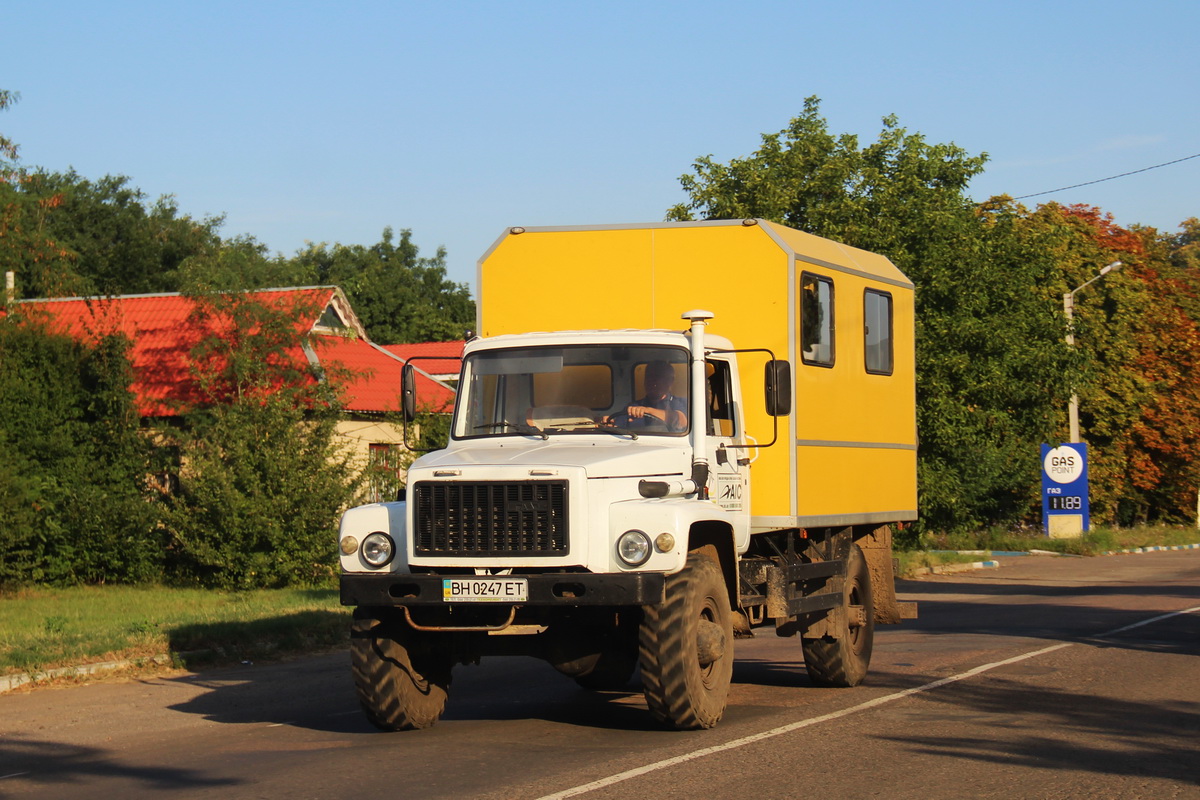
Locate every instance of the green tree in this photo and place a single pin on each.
(990, 356)
(261, 479)
(65, 235)
(8, 148)
(1185, 254)
(240, 264)
(398, 295)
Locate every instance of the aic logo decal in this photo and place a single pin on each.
(729, 492)
(1063, 465)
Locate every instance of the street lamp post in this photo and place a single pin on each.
(1069, 311)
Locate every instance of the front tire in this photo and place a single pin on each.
(842, 661)
(686, 648)
(401, 675)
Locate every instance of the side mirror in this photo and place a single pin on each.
(779, 388)
(408, 392)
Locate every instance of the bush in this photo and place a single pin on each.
(74, 498)
(260, 478)
(260, 490)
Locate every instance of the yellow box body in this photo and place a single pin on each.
(847, 452)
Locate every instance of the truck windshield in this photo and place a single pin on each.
(543, 391)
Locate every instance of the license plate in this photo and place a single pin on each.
(485, 590)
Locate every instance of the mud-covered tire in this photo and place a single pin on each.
(401, 675)
(613, 671)
(686, 648)
(842, 661)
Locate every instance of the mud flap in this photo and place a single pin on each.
(877, 548)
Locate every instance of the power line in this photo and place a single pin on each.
(1111, 178)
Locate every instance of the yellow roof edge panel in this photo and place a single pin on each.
(818, 251)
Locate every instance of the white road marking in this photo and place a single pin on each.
(338, 714)
(1159, 618)
(795, 726)
(14, 775)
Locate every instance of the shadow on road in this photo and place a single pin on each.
(1106, 735)
(318, 694)
(1012, 609)
(57, 764)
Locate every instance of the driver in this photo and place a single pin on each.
(658, 402)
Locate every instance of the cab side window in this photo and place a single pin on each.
(720, 399)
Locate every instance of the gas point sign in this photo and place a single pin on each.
(1065, 490)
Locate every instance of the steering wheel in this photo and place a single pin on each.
(646, 423)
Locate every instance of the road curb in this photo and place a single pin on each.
(1154, 549)
(10, 682)
(948, 569)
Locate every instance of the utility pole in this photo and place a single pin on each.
(1069, 313)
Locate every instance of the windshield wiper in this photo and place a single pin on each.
(508, 426)
(613, 429)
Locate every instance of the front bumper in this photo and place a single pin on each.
(562, 590)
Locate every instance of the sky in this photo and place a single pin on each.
(329, 121)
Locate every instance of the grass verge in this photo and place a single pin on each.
(42, 628)
(1095, 542)
(939, 549)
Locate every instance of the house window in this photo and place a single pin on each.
(383, 472)
(816, 320)
(877, 331)
(331, 320)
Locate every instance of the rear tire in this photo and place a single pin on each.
(843, 661)
(401, 675)
(686, 648)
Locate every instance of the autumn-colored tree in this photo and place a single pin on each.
(42, 266)
(1164, 441)
(1111, 390)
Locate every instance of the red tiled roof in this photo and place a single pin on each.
(436, 358)
(163, 334)
(374, 380)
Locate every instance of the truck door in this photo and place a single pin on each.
(728, 482)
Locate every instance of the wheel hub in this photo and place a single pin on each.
(710, 642)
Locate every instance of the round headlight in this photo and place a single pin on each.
(349, 546)
(378, 549)
(634, 548)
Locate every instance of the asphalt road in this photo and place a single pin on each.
(1046, 678)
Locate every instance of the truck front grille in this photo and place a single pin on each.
(490, 518)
